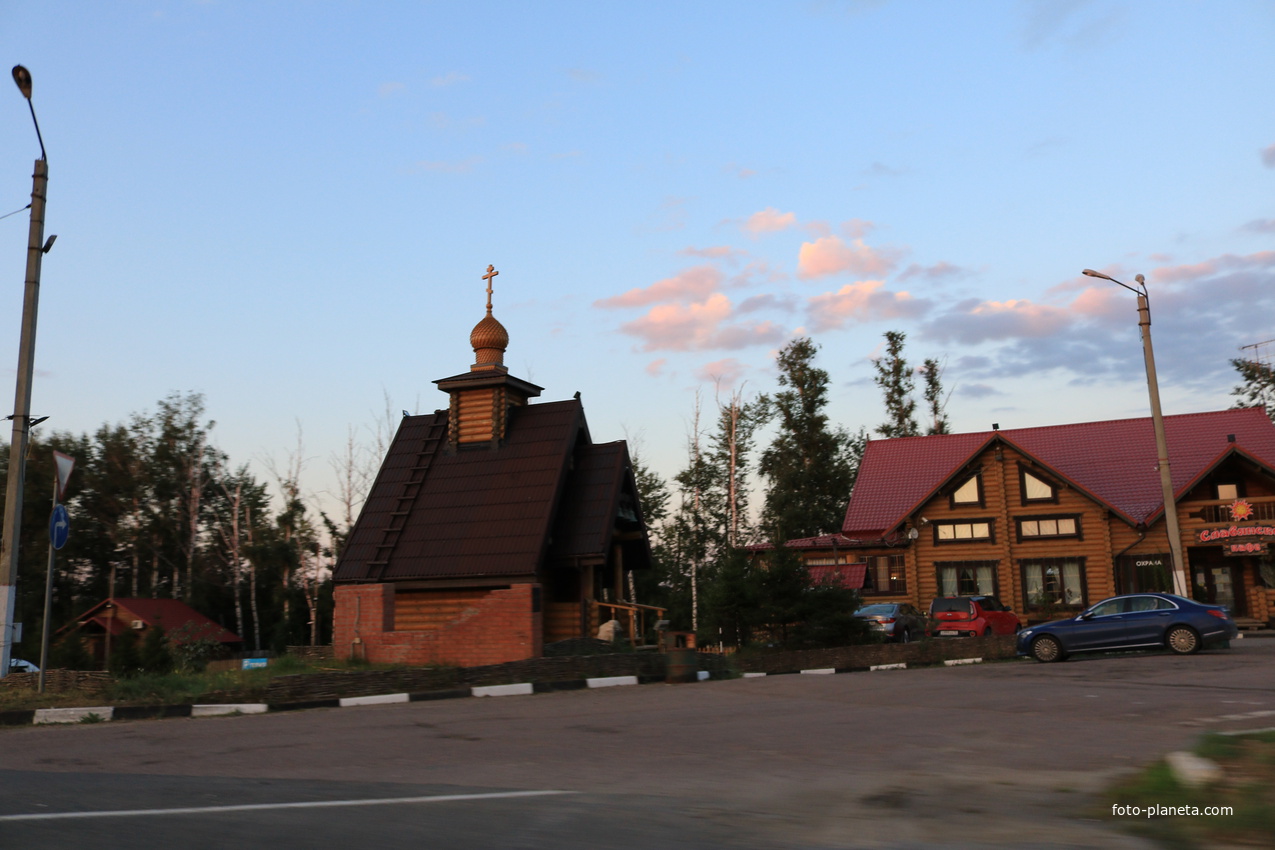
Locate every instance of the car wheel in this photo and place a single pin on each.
(906, 637)
(1046, 649)
(1182, 640)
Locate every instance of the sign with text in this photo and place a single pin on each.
(1215, 534)
(255, 663)
(1250, 547)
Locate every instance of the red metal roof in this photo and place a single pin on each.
(180, 622)
(1114, 462)
(849, 576)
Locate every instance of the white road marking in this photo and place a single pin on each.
(259, 807)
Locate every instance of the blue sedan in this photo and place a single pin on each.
(1136, 621)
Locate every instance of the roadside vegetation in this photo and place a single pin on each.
(1247, 786)
(174, 687)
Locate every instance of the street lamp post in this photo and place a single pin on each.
(36, 248)
(1180, 585)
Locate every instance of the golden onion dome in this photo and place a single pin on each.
(489, 340)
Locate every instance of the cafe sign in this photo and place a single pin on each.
(1251, 547)
(1236, 531)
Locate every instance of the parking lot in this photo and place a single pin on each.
(997, 755)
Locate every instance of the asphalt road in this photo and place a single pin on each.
(998, 755)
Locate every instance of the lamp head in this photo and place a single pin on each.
(22, 77)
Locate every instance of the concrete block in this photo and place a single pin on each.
(612, 681)
(228, 708)
(1192, 770)
(521, 689)
(72, 715)
(380, 699)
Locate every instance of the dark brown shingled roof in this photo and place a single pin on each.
(479, 512)
(599, 489)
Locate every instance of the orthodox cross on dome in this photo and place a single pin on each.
(491, 273)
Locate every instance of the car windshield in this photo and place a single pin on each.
(874, 610)
(956, 603)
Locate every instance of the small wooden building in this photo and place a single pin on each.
(109, 620)
(1064, 516)
(494, 526)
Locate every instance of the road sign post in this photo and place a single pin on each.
(59, 531)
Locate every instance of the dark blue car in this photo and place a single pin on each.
(1139, 620)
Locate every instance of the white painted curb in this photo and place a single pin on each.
(520, 689)
(228, 708)
(823, 671)
(382, 699)
(900, 666)
(753, 675)
(72, 715)
(952, 662)
(611, 681)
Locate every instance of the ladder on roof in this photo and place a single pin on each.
(403, 502)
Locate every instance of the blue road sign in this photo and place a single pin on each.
(59, 526)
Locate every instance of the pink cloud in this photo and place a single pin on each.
(863, 301)
(857, 228)
(694, 284)
(725, 373)
(767, 301)
(831, 255)
(1260, 225)
(938, 271)
(769, 220)
(697, 327)
(982, 321)
(656, 367)
(1208, 268)
(713, 252)
(757, 272)
(1268, 156)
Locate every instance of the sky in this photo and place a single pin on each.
(288, 207)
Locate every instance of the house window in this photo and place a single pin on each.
(1054, 581)
(1031, 528)
(885, 576)
(969, 493)
(966, 578)
(963, 532)
(1035, 488)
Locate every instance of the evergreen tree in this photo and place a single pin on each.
(1257, 385)
(809, 465)
(897, 382)
(895, 379)
(154, 655)
(935, 400)
(125, 660)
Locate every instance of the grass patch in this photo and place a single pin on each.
(1247, 786)
(176, 688)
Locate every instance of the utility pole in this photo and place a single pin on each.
(1181, 586)
(36, 249)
